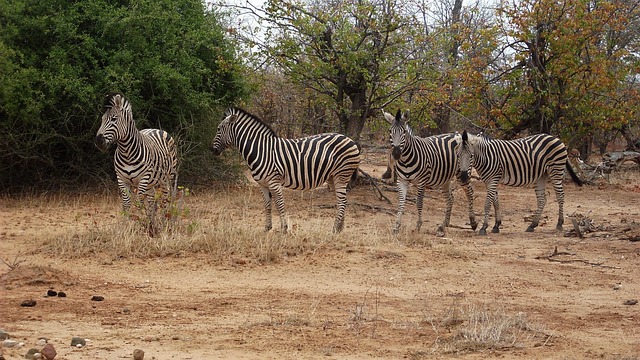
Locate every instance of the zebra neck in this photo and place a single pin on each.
(130, 141)
(253, 142)
(409, 144)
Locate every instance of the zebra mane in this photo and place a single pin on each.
(245, 114)
(109, 100)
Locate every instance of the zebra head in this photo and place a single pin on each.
(465, 154)
(224, 134)
(115, 121)
(398, 132)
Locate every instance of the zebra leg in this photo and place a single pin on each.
(541, 199)
(389, 173)
(403, 186)
(557, 186)
(448, 193)
(468, 190)
(498, 214)
(125, 194)
(492, 193)
(341, 198)
(279, 199)
(419, 200)
(266, 196)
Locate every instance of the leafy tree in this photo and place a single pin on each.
(458, 41)
(569, 70)
(59, 58)
(351, 53)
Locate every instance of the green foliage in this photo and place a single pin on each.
(162, 213)
(573, 69)
(59, 58)
(352, 54)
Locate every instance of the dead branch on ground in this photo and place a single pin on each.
(552, 257)
(374, 184)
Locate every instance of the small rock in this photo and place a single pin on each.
(62, 294)
(78, 341)
(41, 342)
(617, 286)
(31, 354)
(49, 352)
(4, 335)
(97, 298)
(138, 354)
(28, 303)
(630, 302)
(9, 343)
(52, 293)
(126, 311)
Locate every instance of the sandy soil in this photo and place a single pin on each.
(370, 296)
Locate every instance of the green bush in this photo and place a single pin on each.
(59, 58)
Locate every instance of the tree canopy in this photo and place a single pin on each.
(567, 67)
(171, 58)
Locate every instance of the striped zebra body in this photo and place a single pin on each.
(145, 160)
(525, 161)
(300, 164)
(427, 163)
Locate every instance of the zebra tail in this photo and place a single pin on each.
(354, 179)
(573, 174)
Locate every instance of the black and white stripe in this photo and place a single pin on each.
(529, 160)
(428, 163)
(145, 160)
(278, 163)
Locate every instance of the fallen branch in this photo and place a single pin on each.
(375, 209)
(551, 257)
(376, 190)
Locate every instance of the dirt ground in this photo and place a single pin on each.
(372, 295)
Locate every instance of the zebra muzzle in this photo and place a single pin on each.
(396, 152)
(464, 176)
(215, 150)
(101, 142)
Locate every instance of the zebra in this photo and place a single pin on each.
(145, 160)
(300, 164)
(426, 162)
(519, 162)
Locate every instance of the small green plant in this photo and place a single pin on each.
(162, 213)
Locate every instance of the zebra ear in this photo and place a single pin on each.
(398, 116)
(390, 119)
(465, 137)
(405, 116)
(232, 118)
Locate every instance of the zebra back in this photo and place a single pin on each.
(517, 162)
(303, 163)
(431, 160)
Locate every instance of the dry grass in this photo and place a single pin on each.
(222, 231)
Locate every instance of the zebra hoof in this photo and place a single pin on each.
(482, 231)
(495, 230)
(440, 231)
(530, 229)
(559, 228)
(474, 225)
